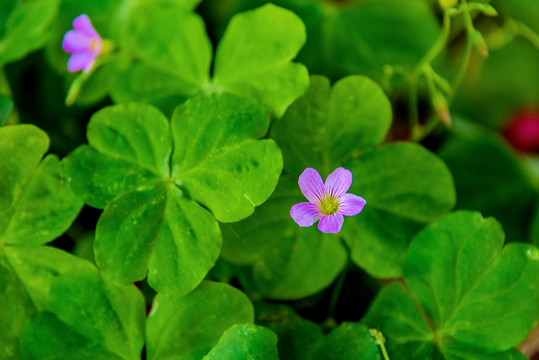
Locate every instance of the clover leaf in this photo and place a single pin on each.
(348, 341)
(158, 202)
(468, 294)
(489, 186)
(36, 203)
(406, 187)
(280, 252)
(363, 37)
(296, 335)
(245, 341)
(178, 46)
(334, 123)
(89, 317)
(26, 28)
(188, 327)
(252, 59)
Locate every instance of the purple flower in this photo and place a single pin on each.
(327, 202)
(83, 43)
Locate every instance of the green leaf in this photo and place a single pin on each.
(45, 209)
(473, 297)
(362, 37)
(36, 205)
(406, 187)
(179, 46)
(184, 4)
(91, 313)
(98, 84)
(152, 221)
(126, 233)
(287, 262)
(26, 145)
(6, 107)
(188, 327)
(16, 307)
(506, 83)
(38, 266)
(526, 11)
(134, 133)
(254, 57)
(351, 341)
(159, 229)
(491, 177)
(326, 126)
(62, 341)
(296, 335)
(143, 83)
(245, 341)
(217, 161)
(97, 178)
(26, 28)
(133, 144)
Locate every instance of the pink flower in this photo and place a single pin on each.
(327, 202)
(83, 43)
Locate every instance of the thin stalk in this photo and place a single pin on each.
(467, 49)
(338, 286)
(380, 340)
(437, 48)
(337, 291)
(423, 65)
(526, 32)
(412, 106)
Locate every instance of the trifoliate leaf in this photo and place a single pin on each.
(36, 205)
(172, 40)
(490, 177)
(362, 37)
(245, 341)
(326, 126)
(351, 341)
(254, 57)
(90, 317)
(26, 28)
(282, 254)
(406, 187)
(296, 335)
(468, 294)
(187, 327)
(153, 220)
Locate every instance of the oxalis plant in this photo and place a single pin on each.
(237, 179)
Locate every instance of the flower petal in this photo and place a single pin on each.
(304, 214)
(81, 61)
(76, 42)
(311, 185)
(338, 182)
(331, 224)
(83, 24)
(351, 204)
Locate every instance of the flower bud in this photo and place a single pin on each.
(480, 44)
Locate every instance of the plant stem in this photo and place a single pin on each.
(526, 32)
(436, 49)
(467, 49)
(380, 341)
(338, 286)
(423, 66)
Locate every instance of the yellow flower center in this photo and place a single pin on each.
(329, 205)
